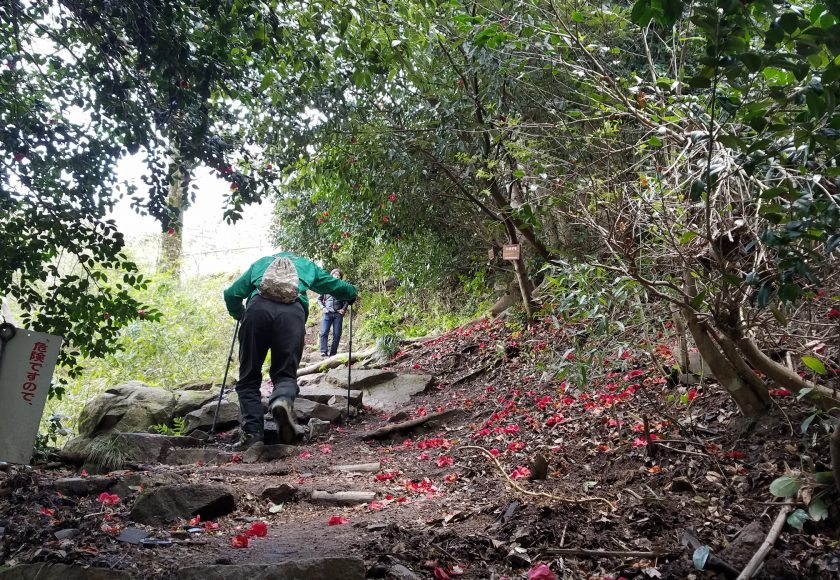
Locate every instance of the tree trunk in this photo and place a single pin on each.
(784, 377)
(750, 402)
(171, 242)
(682, 339)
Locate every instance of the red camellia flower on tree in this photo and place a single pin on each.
(392, 197)
(386, 218)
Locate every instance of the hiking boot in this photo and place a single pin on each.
(248, 441)
(281, 410)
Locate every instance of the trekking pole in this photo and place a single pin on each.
(349, 356)
(224, 380)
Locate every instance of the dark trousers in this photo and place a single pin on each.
(277, 327)
(331, 320)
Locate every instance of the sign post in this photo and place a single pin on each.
(27, 362)
(510, 252)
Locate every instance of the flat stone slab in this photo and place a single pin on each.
(263, 453)
(49, 571)
(134, 482)
(306, 409)
(191, 456)
(383, 390)
(280, 493)
(326, 392)
(171, 502)
(310, 380)
(310, 569)
(359, 378)
(83, 485)
(152, 448)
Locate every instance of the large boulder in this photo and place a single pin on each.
(133, 407)
(189, 401)
(310, 569)
(203, 418)
(133, 447)
(171, 502)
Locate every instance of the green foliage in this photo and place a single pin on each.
(188, 342)
(48, 439)
(107, 454)
(775, 79)
(176, 429)
(578, 292)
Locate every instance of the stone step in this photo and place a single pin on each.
(309, 569)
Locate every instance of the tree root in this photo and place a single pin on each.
(522, 490)
(766, 545)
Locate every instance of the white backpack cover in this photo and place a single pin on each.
(280, 281)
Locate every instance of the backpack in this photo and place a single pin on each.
(280, 281)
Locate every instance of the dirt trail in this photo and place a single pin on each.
(445, 511)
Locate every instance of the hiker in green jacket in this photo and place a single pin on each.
(279, 327)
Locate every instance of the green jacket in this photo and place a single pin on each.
(310, 277)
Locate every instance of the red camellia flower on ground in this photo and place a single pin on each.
(337, 520)
(240, 541)
(520, 472)
(541, 572)
(258, 529)
(108, 498)
(833, 314)
(445, 461)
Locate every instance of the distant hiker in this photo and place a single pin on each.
(333, 318)
(273, 319)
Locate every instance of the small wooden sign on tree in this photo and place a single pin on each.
(510, 251)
